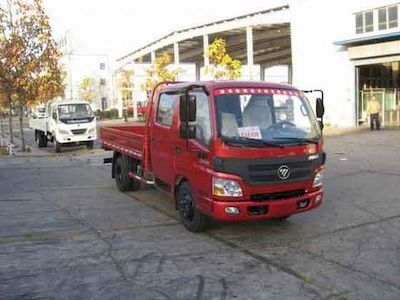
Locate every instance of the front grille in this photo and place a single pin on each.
(257, 210)
(269, 172)
(262, 171)
(78, 131)
(274, 167)
(277, 196)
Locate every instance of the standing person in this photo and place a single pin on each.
(373, 110)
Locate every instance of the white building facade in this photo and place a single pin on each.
(80, 65)
(349, 49)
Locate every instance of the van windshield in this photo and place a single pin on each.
(265, 117)
(75, 113)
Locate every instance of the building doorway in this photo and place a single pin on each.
(382, 81)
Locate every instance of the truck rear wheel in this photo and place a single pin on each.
(122, 167)
(191, 217)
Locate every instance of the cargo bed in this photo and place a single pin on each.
(128, 140)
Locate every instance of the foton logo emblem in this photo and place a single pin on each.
(283, 172)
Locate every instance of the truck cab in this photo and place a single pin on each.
(231, 151)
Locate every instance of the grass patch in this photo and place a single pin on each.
(3, 151)
(30, 237)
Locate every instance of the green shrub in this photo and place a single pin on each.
(114, 113)
(105, 114)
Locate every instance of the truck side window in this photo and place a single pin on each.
(165, 110)
(203, 121)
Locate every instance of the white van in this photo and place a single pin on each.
(65, 122)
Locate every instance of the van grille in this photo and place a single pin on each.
(78, 131)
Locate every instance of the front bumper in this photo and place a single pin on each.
(256, 210)
(77, 138)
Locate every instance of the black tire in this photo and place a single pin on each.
(282, 219)
(41, 139)
(122, 166)
(57, 146)
(191, 217)
(90, 145)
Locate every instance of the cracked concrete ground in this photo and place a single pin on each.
(66, 232)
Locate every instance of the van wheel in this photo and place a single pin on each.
(57, 146)
(121, 173)
(90, 145)
(191, 218)
(41, 139)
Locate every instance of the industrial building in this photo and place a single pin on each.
(351, 50)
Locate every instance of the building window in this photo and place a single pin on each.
(393, 16)
(103, 81)
(369, 21)
(382, 19)
(387, 18)
(102, 66)
(359, 23)
(365, 22)
(104, 103)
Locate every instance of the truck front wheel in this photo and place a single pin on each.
(121, 174)
(191, 217)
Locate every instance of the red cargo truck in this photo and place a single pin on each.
(225, 150)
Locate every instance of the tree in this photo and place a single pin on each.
(222, 66)
(6, 52)
(159, 72)
(125, 86)
(87, 89)
(29, 58)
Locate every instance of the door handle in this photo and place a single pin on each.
(178, 149)
(154, 141)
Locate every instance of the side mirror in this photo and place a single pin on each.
(54, 116)
(187, 131)
(187, 108)
(320, 110)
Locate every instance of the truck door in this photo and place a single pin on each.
(193, 161)
(162, 140)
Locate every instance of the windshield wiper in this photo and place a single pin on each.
(300, 140)
(249, 141)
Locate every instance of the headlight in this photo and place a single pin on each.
(63, 131)
(318, 179)
(92, 130)
(227, 188)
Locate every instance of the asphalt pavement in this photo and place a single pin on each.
(67, 232)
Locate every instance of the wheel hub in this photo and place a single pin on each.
(187, 207)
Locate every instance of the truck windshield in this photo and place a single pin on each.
(75, 113)
(277, 117)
